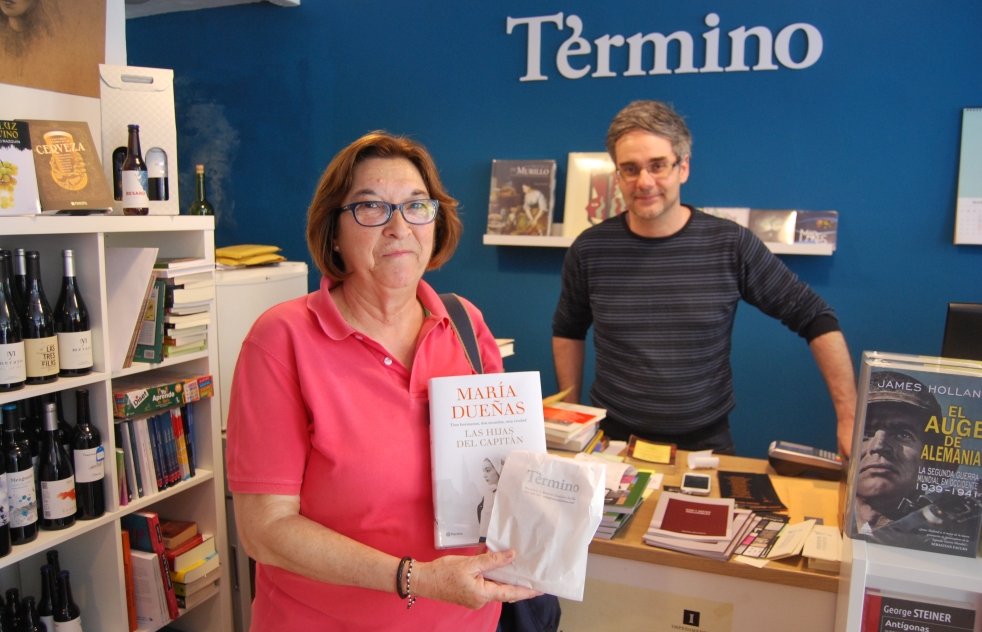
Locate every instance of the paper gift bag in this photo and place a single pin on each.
(140, 96)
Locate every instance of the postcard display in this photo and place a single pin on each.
(914, 501)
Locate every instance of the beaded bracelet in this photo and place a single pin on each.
(403, 594)
(409, 574)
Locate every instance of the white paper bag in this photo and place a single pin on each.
(547, 508)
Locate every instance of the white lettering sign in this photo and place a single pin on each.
(769, 48)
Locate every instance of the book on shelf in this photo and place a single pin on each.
(128, 279)
(122, 484)
(151, 601)
(523, 194)
(884, 611)
(142, 394)
(783, 226)
(968, 207)
(917, 455)
(692, 517)
(158, 451)
(816, 227)
(197, 570)
(70, 178)
(209, 579)
(150, 338)
(195, 598)
(145, 535)
(18, 180)
(475, 422)
(128, 579)
(192, 280)
(177, 532)
(592, 194)
(182, 267)
(176, 297)
(181, 560)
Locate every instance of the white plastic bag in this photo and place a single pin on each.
(547, 508)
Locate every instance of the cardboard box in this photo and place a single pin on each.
(131, 95)
(144, 394)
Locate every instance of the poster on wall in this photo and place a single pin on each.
(53, 45)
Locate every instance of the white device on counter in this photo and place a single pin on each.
(792, 459)
(697, 484)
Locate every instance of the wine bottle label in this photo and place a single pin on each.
(42, 356)
(58, 498)
(13, 369)
(90, 465)
(20, 496)
(4, 516)
(75, 625)
(75, 350)
(135, 189)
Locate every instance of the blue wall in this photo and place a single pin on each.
(267, 95)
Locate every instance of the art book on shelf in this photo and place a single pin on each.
(592, 194)
(917, 455)
(523, 194)
(475, 422)
(69, 174)
(18, 181)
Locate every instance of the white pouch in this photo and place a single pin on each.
(547, 508)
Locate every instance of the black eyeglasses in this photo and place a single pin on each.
(379, 213)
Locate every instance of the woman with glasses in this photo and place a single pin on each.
(328, 428)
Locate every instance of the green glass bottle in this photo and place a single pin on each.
(200, 206)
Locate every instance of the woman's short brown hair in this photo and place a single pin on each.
(322, 220)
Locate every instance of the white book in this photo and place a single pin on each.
(151, 603)
(128, 272)
(147, 471)
(129, 461)
(475, 422)
(186, 324)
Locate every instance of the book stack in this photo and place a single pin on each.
(188, 290)
(697, 525)
(192, 560)
(571, 427)
(158, 452)
(153, 591)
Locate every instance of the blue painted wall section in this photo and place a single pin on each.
(267, 95)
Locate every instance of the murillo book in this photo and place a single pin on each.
(69, 175)
(523, 193)
(18, 182)
(475, 421)
(917, 455)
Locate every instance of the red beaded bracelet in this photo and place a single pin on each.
(405, 594)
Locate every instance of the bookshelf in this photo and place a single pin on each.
(91, 549)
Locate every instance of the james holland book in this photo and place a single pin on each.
(475, 421)
(917, 455)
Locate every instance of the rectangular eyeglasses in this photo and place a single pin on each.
(379, 213)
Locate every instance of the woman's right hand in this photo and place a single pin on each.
(460, 580)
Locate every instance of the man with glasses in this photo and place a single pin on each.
(660, 285)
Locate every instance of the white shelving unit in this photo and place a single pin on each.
(550, 241)
(91, 550)
(918, 574)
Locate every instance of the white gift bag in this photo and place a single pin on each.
(547, 508)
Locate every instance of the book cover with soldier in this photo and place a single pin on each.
(69, 175)
(18, 184)
(523, 194)
(917, 455)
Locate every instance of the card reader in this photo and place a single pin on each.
(793, 459)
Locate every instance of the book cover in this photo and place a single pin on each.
(18, 180)
(773, 226)
(816, 227)
(883, 612)
(150, 340)
(690, 517)
(144, 528)
(151, 603)
(183, 590)
(627, 500)
(181, 560)
(592, 194)
(197, 570)
(195, 598)
(917, 456)
(523, 194)
(69, 175)
(475, 422)
(750, 491)
(739, 216)
(662, 453)
(762, 536)
(128, 578)
(142, 394)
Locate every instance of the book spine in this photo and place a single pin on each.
(167, 429)
(121, 485)
(188, 415)
(182, 451)
(128, 576)
(157, 540)
(154, 444)
(132, 458)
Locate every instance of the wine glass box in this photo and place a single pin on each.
(91, 549)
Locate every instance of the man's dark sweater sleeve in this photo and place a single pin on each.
(573, 316)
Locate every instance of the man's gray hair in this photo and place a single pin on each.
(654, 117)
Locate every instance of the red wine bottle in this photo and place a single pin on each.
(5, 545)
(46, 606)
(20, 277)
(135, 199)
(11, 614)
(40, 336)
(72, 324)
(68, 616)
(28, 616)
(57, 478)
(13, 370)
(21, 492)
(90, 462)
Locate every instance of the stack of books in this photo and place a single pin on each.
(571, 427)
(697, 525)
(192, 560)
(188, 294)
(622, 501)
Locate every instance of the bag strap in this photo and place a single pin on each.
(461, 323)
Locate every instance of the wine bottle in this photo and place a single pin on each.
(5, 545)
(11, 614)
(68, 616)
(28, 616)
(200, 206)
(13, 370)
(72, 324)
(20, 276)
(158, 186)
(57, 479)
(20, 480)
(135, 200)
(46, 606)
(65, 431)
(119, 156)
(90, 462)
(40, 337)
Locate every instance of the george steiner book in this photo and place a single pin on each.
(523, 194)
(475, 422)
(917, 454)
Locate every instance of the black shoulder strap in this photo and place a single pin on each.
(460, 320)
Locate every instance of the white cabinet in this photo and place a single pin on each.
(91, 549)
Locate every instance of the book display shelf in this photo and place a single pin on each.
(558, 241)
(91, 550)
(897, 571)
